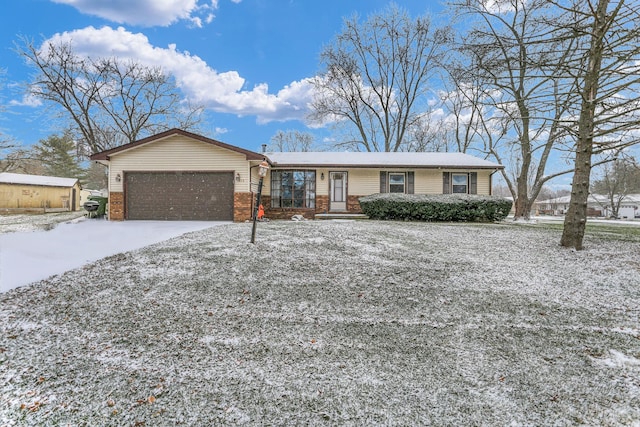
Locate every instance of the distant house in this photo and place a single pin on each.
(20, 192)
(629, 205)
(598, 205)
(178, 175)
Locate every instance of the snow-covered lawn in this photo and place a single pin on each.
(332, 323)
(36, 222)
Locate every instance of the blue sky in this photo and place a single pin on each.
(247, 61)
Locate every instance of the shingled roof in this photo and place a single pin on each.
(46, 181)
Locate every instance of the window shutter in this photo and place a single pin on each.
(473, 183)
(446, 182)
(383, 182)
(410, 181)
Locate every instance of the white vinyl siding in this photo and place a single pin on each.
(428, 182)
(362, 182)
(484, 182)
(178, 153)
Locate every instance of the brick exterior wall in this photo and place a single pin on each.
(322, 206)
(242, 206)
(353, 205)
(116, 206)
(284, 213)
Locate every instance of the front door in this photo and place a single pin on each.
(338, 191)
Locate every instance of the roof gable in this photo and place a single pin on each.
(105, 155)
(46, 181)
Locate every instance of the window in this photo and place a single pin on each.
(396, 183)
(293, 189)
(459, 182)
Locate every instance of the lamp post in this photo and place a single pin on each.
(262, 172)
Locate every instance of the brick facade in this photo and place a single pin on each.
(322, 207)
(322, 204)
(116, 206)
(353, 204)
(242, 206)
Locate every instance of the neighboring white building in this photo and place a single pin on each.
(598, 205)
(629, 206)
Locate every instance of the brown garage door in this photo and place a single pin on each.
(197, 196)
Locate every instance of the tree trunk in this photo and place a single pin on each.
(575, 219)
(522, 208)
(523, 202)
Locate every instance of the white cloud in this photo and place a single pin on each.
(27, 101)
(218, 91)
(148, 12)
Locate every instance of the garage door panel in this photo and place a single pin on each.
(201, 196)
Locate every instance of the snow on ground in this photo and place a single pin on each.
(61, 242)
(36, 222)
(332, 323)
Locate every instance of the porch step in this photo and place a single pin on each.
(340, 216)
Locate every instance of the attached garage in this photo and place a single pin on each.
(178, 175)
(192, 196)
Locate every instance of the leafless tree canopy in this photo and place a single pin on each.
(507, 81)
(108, 101)
(375, 75)
(292, 140)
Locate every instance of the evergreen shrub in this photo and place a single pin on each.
(435, 207)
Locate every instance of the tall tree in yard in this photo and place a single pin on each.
(376, 74)
(106, 101)
(608, 71)
(506, 78)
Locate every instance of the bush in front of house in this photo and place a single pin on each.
(435, 207)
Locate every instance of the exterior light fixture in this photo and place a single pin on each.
(322, 176)
(263, 168)
(237, 176)
(118, 178)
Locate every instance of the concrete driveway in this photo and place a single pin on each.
(31, 256)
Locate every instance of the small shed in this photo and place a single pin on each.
(22, 193)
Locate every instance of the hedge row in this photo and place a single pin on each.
(437, 207)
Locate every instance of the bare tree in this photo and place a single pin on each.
(507, 83)
(11, 154)
(108, 101)
(292, 140)
(375, 74)
(21, 160)
(607, 69)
